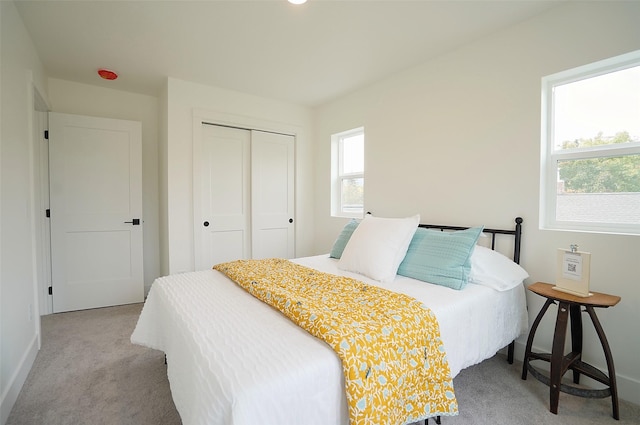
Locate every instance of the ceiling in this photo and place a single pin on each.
(307, 54)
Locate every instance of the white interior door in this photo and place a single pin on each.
(273, 198)
(95, 167)
(223, 223)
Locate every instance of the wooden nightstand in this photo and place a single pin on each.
(570, 306)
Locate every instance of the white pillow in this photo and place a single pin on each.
(493, 269)
(378, 246)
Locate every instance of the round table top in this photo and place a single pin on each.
(596, 299)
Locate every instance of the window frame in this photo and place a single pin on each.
(550, 156)
(338, 176)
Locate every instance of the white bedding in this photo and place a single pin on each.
(233, 360)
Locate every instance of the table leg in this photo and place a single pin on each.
(607, 353)
(557, 355)
(576, 335)
(532, 333)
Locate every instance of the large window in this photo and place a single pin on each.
(590, 164)
(347, 189)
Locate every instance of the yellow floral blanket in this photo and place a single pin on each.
(392, 356)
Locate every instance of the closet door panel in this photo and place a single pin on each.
(272, 185)
(225, 209)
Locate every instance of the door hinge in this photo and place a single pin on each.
(50, 290)
(46, 134)
(47, 213)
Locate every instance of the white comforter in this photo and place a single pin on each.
(233, 360)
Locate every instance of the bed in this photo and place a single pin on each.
(234, 360)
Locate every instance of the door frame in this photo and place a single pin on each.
(40, 201)
(203, 116)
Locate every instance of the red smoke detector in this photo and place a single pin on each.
(107, 74)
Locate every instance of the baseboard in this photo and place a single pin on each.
(18, 379)
(628, 387)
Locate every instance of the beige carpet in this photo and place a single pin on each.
(89, 373)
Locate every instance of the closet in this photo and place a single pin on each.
(243, 195)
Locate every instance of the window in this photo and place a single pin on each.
(347, 189)
(590, 161)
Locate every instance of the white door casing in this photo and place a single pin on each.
(41, 123)
(95, 167)
(272, 185)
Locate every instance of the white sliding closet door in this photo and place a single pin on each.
(272, 166)
(243, 195)
(225, 221)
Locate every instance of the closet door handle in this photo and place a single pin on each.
(134, 221)
(205, 224)
(290, 220)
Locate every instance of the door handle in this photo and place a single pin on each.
(134, 221)
(205, 224)
(290, 220)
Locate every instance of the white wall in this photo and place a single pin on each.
(82, 99)
(164, 168)
(20, 70)
(457, 139)
(184, 99)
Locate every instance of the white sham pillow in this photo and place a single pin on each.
(495, 270)
(378, 246)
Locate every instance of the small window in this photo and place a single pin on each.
(590, 163)
(347, 190)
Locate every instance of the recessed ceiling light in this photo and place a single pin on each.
(297, 1)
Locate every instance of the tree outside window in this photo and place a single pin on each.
(590, 170)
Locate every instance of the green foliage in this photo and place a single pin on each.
(353, 192)
(601, 175)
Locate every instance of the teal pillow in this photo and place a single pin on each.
(343, 238)
(443, 258)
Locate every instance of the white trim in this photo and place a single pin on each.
(18, 379)
(337, 176)
(595, 69)
(40, 202)
(587, 227)
(197, 189)
(244, 121)
(40, 254)
(550, 155)
(34, 189)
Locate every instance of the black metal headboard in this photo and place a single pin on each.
(516, 232)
